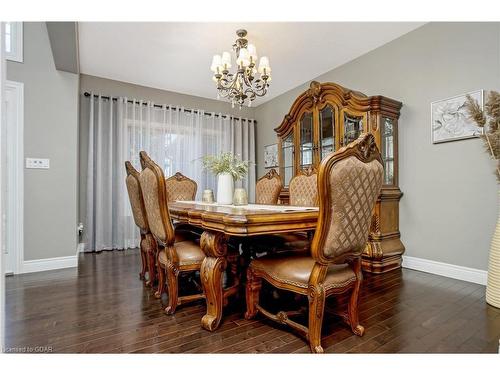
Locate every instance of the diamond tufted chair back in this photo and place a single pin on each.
(304, 188)
(180, 188)
(268, 187)
(154, 194)
(349, 183)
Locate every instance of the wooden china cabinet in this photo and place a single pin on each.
(327, 117)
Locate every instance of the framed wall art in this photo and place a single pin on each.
(450, 120)
(271, 156)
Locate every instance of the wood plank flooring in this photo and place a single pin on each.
(102, 307)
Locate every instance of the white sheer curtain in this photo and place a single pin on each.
(176, 138)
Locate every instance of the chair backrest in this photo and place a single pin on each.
(304, 188)
(135, 197)
(154, 194)
(349, 183)
(268, 187)
(180, 188)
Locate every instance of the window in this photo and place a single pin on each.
(14, 41)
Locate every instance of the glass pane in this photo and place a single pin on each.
(8, 37)
(353, 127)
(387, 146)
(327, 133)
(287, 149)
(306, 140)
(288, 175)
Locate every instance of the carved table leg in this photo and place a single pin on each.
(214, 245)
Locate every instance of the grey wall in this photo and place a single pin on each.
(449, 206)
(106, 87)
(50, 131)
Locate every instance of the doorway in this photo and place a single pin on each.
(13, 174)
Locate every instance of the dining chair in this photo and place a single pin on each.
(174, 257)
(148, 243)
(303, 188)
(180, 188)
(349, 183)
(268, 188)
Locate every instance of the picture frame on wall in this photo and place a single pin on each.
(450, 120)
(271, 156)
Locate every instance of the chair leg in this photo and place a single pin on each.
(144, 263)
(253, 287)
(173, 289)
(352, 308)
(161, 281)
(316, 311)
(151, 251)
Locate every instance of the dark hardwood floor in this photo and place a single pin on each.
(102, 307)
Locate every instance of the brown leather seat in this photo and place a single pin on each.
(189, 253)
(296, 271)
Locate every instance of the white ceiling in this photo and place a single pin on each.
(177, 56)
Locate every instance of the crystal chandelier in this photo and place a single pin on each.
(243, 84)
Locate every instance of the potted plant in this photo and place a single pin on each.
(489, 120)
(228, 169)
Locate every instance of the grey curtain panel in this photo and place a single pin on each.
(175, 138)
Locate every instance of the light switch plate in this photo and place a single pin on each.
(34, 163)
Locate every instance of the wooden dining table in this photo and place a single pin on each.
(219, 224)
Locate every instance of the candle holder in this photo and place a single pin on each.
(240, 197)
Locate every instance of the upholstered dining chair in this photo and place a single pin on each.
(268, 187)
(349, 183)
(180, 188)
(148, 243)
(303, 188)
(174, 257)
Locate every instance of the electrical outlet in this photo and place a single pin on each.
(34, 163)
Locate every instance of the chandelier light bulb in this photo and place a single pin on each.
(216, 63)
(264, 66)
(243, 58)
(252, 51)
(226, 60)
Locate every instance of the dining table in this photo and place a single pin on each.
(220, 223)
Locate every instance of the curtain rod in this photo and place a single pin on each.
(87, 94)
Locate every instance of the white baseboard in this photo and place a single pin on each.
(50, 264)
(472, 275)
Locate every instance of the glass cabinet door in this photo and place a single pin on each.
(353, 127)
(287, 152)
(387, 149)
(326, 131)
(306, 142)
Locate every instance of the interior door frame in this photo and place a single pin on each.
(15, 179)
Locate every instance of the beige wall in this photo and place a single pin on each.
(50, 131)
(449, 206)
(105, 86)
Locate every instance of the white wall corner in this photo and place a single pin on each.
(472, 275)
